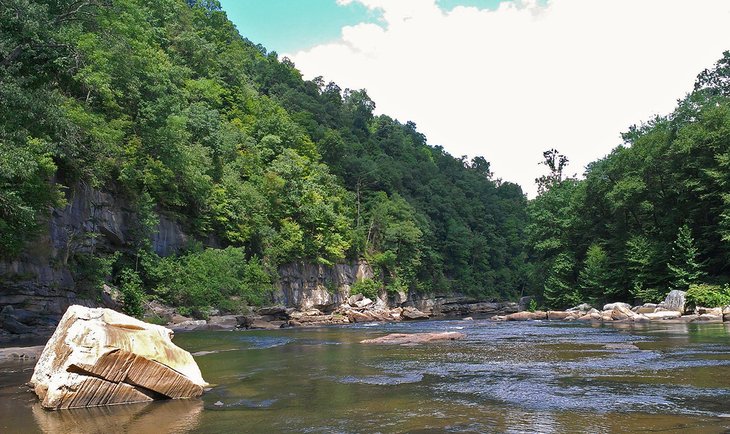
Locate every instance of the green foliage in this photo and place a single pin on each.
(367, 287)
(212, 277)
(595, 277)
(707, 295)
(684, 268)
(559, 291)
(130, 287)
(533, 305)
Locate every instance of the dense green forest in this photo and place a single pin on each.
(167, 106)
(164, 104)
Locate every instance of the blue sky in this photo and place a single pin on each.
(286, 26)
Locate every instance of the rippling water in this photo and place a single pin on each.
(530, 377)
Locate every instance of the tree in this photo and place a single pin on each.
(559, 290)
(556, 163)
(595, 277)
(684, 267)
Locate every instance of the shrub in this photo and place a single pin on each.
(211, 278)
(367, 287)
(130, 285)
(533, 305)
(707, 295)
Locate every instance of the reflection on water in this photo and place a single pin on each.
(173, 416)
(503, 377)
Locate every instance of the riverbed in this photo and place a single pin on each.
(527, 377)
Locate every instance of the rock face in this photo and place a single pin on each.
(306, 286)
(675, 301)
(414, 338)
(101, 357)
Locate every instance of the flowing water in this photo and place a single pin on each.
(528, 377)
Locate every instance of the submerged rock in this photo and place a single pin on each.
(414, 338)
(102, 357)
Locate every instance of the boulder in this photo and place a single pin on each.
(527, 316)
(558, 315)
(675, 301)
(668, 314)
(411, 313)
(365, 302)
(223, 322)
(612, 306)
(646, 308)
(524, 303)
(353, 299)
(102, 357)
(581, 308)
(414, 338)
(726, 313)
(621, 311)
(710, 317)
(260, 324)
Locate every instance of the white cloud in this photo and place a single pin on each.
(513, 82)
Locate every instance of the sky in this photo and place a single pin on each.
(503, 79)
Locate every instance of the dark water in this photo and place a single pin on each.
(504, 377)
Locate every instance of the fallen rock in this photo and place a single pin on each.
(621, 311)
(558, 315)
(527, 316)
(612, 306)
(675, 301)
(411, 313)
(259, 324)
(414, 338)
(102, 357)
(581, 308)
(646, 308)
(668, 314)
(365, 302)
(224, 322)
(710, 317)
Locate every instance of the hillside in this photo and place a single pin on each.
(166, 110)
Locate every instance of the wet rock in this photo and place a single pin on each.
(527, 316)
(414, 338)
(675, 301)
(710, 318)
(626, 346)
(277, 312)
(558, 315)
(663, 315)
(101, 357)
(726, 313)
(259, 324)
(411, 313)
(223, 322)
(708, 311)
(468, 319)
(612, 306)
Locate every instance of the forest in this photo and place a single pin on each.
(165, 104)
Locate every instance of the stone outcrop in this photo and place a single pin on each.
(414, 338)
(101, 357)
(675, 301)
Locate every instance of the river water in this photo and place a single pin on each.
(530, 377)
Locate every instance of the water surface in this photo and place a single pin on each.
(529, 377)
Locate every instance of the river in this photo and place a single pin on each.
(529, 377)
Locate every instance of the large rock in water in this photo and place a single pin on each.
(675, 301)
(102, 357)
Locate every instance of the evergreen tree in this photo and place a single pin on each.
(594, 279)
(684, 268)
(559, 292)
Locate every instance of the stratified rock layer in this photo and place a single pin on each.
(101, 357)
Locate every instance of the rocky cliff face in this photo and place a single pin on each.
(38, 286)
(305, 286)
